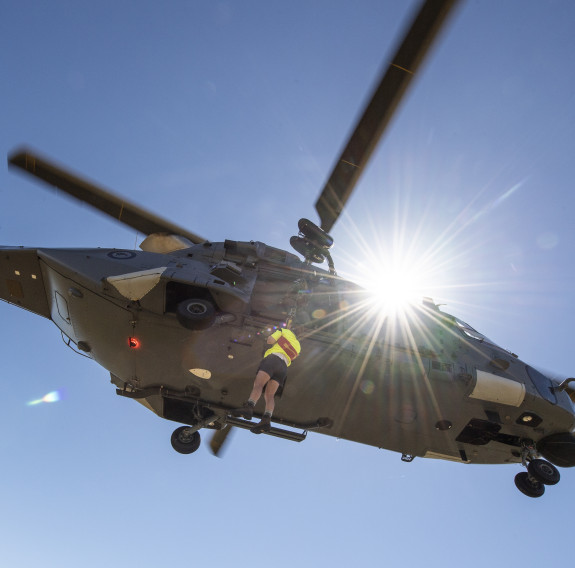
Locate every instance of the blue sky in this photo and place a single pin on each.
(207, 113)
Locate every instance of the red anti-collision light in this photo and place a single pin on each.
(133, 342)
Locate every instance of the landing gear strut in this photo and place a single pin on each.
(539, 473)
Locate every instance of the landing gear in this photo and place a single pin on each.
(544, 472)
(528, 486)
(539, 473)
(196, 314)
(184, 441)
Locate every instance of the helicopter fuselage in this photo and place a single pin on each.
(422, 383)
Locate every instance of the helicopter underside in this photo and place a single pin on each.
(373, 392)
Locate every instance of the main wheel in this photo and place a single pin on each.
(544, 472)
(196, 314)
(184, 442)
(528, 487)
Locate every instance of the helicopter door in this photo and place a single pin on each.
(61, 315)
(62, 308)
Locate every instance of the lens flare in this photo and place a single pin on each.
(54, 396)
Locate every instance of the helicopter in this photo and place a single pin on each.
(189, 317)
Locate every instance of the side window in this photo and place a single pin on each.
(62, 306)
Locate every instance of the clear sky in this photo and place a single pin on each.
(226, 117)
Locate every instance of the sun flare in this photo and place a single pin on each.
(393, 290)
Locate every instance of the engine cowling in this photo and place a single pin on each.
(165, 243)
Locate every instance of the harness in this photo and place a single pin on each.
(284, 343)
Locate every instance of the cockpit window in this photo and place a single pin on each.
(470, 332)
(542, 384)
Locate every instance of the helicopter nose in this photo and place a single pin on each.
(568, 385)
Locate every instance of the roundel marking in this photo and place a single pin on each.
(122, 254)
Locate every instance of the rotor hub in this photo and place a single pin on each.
(313, 243)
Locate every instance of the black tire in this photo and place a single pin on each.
(528, 487)
(196, 314)
(183, 442)
(544, 472)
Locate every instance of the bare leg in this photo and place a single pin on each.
(261, 380)
(269, 395)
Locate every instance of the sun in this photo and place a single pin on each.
(395, 279)
(394, 289)
(398, 258)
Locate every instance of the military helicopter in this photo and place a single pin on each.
(180, 326)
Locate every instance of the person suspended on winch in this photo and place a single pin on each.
(271, 376)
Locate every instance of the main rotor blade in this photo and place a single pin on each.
(380, 109)
(114, 206)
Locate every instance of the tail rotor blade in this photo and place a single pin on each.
(219, 439)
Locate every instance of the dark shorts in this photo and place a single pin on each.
(275, 367)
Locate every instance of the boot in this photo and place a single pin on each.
(246, 411)
(263, 426)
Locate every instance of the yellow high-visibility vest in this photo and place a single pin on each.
(286, 344)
